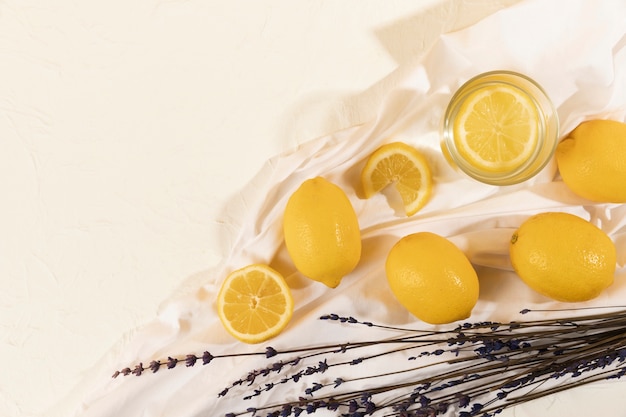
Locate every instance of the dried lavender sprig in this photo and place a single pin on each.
(420, 338)
(416, 337)
(513, 362)
(319, 386)
(502, 384)
(191, 359)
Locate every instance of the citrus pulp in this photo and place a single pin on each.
(405, 167)
(254, 303)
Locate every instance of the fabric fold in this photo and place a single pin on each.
(575, 49)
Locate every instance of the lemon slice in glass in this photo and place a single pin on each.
(497, 128)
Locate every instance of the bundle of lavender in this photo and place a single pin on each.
(473, 369)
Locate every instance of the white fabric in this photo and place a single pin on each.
(575, 49)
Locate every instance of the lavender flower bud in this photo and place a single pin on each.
(190, 360)
(171, 362)
(155, 366)
(270, 351)
(138, 369)
(207, 358)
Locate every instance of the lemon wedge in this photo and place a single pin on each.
(404, 166)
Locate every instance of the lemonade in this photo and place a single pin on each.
(500, 128)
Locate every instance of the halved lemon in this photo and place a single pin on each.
(497, 128)
(404, 166)
(254, 303)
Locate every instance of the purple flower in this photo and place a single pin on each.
(270, 352)
(190, 360)
(464, 400)
(171, 362)
(207, 358)
(138, 369)
(155, 366)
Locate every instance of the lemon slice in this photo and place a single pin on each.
(406, 168)
(254, 303)
(497, 128)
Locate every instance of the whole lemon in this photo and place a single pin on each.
(432, 278)
(321, 231)
(592, 160)
(563, 256)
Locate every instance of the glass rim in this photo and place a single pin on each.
(547, 140)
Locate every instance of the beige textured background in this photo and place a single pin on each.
(126, 125)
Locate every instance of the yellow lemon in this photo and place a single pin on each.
(321, 231)
(254, 303)
(592, 160)
(563, 256)
(432, 278)
(406, 168)
(497, 128)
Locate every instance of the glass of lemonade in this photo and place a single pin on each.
(500, 128)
